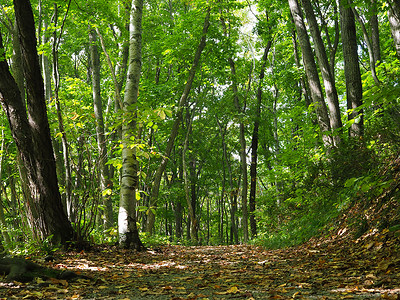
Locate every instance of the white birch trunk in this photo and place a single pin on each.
(127, 228)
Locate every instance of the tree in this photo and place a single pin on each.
(327, 76)
(127, 228)
(254, 145)
(351, 70)
(105, 182)
(31, 133)
(311, 72)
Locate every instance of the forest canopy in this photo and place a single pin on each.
(193, 122)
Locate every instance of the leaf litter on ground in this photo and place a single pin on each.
(329, 268)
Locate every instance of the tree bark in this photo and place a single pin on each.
(188, 189)
(375, 36)
(254, 145)
(351, 70)
(31, 133)
(312, 73)
(327, 76)
(127, 228)
(105, 182)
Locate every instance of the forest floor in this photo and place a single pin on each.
(334, 267)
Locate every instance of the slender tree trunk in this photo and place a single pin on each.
(191, 206)
(374, 28)
(105, 182)
(178, 118)
(127, 228)
(31, 133)
(351, 70)
(312, 73)
(44, 60)
(254, 145)
(327, 76)
(242, 153)
(3, 223)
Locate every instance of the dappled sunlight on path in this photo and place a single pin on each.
(328, 271)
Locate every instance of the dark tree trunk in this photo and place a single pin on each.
(32, 134)
(351, 69)
(254, 147)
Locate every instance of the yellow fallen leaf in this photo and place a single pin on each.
(232, 290)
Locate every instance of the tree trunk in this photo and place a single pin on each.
(374, 28)
(31, 133)
(242, 154)
(67, 181)
(127, 228)
(178, 118)
(327, 76)
(312, 73)
(3, 224)
(105, 182)
(254, 145)
(188, 190)
(351, 70)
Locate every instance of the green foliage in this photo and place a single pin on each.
(154, 240)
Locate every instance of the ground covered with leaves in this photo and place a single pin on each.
(330, 268)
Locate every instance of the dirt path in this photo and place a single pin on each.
(366, 270)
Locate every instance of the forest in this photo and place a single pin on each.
(195, 122)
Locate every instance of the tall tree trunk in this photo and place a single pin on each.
(233, 191)
(312, 73)
(242, 153)
(43, 38)
(105, 182)
(327, 76)
(3, 224)
(254, 145)
(374, 28)
(67, 199)
(351, 70)
(394, 21)
(31, 133)
(178, 118)
(188, 189)
(127, 228)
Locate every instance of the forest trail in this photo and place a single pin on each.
(367, 268)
